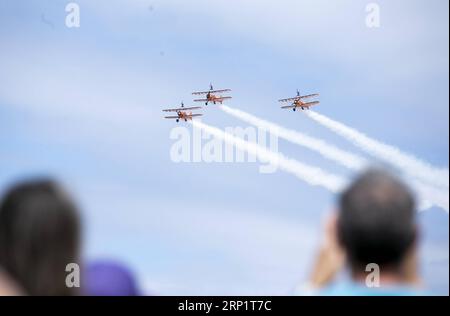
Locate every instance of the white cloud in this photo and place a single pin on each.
(334, 30)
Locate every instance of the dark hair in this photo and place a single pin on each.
(376, 223)
(39, 236)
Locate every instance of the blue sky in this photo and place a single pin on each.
(84, 105)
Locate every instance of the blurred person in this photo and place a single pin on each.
(375, 224)
(109, 278)
(39, 236)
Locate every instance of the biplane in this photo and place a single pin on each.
(212, 95)
(182, 113)
(297, 101)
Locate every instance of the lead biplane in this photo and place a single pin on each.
(297, 101)
(212, 96)
(182, 113)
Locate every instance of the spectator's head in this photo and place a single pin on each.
(376, 222)
(39, 236)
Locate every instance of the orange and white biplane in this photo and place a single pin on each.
(297, 101)
(212, 96)
(182, 113)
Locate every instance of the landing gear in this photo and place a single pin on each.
(185, 120)
(178, 120)
(294, 109)
(214, 102)
(206, 103)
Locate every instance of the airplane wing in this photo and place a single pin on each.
(223, 98)
(288, 100)
(182, 109)
(191, 108)
(171, 117)
(200, 92)
(220, 91)
(200, 100)
(305, 105)
(194, 115)
(309, 96)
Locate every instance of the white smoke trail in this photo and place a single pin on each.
(345, 158)
(309, 174)
(409, 164)
(427, 195)
(430, 196)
